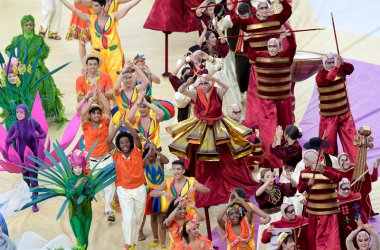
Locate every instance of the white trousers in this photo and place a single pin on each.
(51, 15)
(132, 203)
(109, 192)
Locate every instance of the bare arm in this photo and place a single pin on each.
(123, 12)
(262, 214)
(141, 75)
(176, 70)
(132, 112)
(201, 188)
(203, 35)
(105, 102)
(113, 133)
(220, 217)
(124, 1)
(223, 87)
(183, 89)
(136, 137)
(85, 17)
(157, 111)
(220, 33)
(163, 158)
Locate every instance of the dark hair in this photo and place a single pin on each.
(92, 58)
(124, 134)
(172, 206)
(179, 162)
(293, 132)
(241, 192)
(244, 211)
(244, 8)
(185, 234)
(92, 110)
(146, 150)
(184, 70)
(208, 34)
(101, 2)
(288, 238)
(148, 99)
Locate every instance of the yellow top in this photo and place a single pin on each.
(153, 133)
(105, 37)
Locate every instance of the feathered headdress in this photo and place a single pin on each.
(139, 58)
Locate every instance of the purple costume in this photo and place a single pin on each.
(23, 133)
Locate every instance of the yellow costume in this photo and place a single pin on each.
(124, 103)
(106, 43)
(114, 6)
(153, 135)
(170, 189)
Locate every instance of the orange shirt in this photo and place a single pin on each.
(92, 133)
(242, 241)
(175, 231)
(104, 80)
(129, 171)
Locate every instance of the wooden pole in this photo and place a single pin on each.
(270, 34)
(166, 72)
(336, 39)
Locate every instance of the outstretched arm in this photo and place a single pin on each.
(123, 12)
(85, 17)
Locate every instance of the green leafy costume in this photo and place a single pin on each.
(59, 180)
(28, 46)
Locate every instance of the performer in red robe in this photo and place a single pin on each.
(213, 144)
(274, 90)
(347, 170)
(251, 21)
(322, 206)
(289, 220)
(336, 117)
(351, 210)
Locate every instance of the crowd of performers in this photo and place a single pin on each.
(303, 200)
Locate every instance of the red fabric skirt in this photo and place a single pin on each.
(220, 176)
(173, 16)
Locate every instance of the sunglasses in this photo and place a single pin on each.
(182, 208)
(291, 211)
(345, 189)
(236, 112)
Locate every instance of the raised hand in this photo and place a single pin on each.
(122, 118)
(190, 203)
(204, 26)
(230, 5)
(279, 132)
(310, 182)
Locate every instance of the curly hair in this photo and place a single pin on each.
(124, 134)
